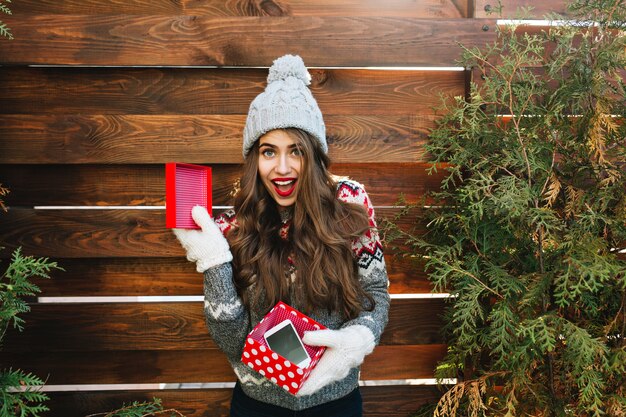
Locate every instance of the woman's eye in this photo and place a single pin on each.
(268, 153)
(296, 152)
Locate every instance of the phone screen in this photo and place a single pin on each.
(286, 343)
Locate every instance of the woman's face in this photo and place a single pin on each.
(280, 164)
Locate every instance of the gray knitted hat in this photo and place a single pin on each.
(286, 102)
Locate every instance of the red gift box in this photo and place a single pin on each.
(186, 186)
(258, 356)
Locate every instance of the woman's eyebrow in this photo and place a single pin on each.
(267, 145)
(292, 146)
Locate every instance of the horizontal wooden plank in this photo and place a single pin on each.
(403, 362)
(194, 366)
(84, 139)
(189, 402)
(397, 401)
(378, 401)
(407, 275)
(512, 9)
(122, 277)
(176, 326)
(144, 185)
(250, 41)
(104, 233)
(101, 185)
(124, 367)
(87, 233)
(176, 277)
(398, 8)
(206, 91)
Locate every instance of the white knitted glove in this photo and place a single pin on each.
(346, 349)
(206, 247)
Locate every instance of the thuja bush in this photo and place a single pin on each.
(20, 392)
(529, 230)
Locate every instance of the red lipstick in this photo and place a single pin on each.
(284, 187)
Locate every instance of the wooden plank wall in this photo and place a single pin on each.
(97, 95)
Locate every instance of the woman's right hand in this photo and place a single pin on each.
(345, 349)
(206, 247)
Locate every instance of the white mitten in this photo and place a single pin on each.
(346, 349)
(206, 247)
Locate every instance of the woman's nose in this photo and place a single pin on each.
(283, 166)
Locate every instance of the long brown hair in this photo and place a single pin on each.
(319, 240)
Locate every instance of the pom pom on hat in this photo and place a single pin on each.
(286, 102)
(289, 66)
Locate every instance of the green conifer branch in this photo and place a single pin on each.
(20, 394)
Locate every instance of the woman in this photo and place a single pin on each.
(300, 235)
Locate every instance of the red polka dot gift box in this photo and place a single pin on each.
(281, 371)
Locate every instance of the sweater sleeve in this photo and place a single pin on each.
(371, 263)
(226, 316)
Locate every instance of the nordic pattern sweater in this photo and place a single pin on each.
(229, 322)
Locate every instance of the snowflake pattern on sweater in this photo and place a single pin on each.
(229, 321)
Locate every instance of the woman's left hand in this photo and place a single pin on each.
(206, 247)
(346, 349)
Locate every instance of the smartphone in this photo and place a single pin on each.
(284, 340)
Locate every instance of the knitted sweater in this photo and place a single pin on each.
(229, 321)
